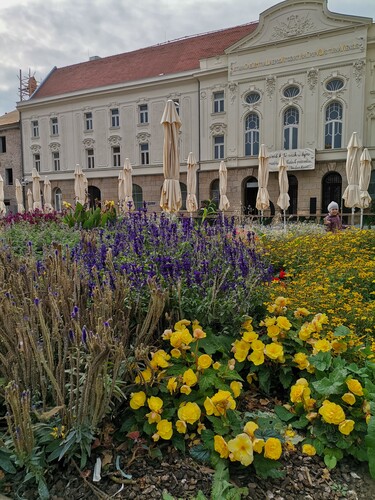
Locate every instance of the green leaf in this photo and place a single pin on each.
(322, 360)
(286, 376)
(207, 380)
(283, 413)
(264, 467)
(264, 379)
(330, 461)
(6, 463)
(43, 490)
(370, 444)
(178, 442)
(200, 453)
(341, 331)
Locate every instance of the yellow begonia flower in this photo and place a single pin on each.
(301, 312)
(258, 445)
(274, 351)
(155, 403)
(166, 335)
(339, 346)
(248, 324)
(236, 388)
(284, 323)
(181, 338)
(189, 378)
(172, 385)
(153, 417)
(249, 336)
(144, 376)
(355, 387)
(185, 389)
(269, 321)
(346, 427)
(322, 346)
(272, 448)
(301, 359)
(175, 353)
(160, 359)
(189, 412)
(164, 429)
(219, 403)
(349, 398)
(256, 357)
(241, 449)
(308, 449)
(273, 330)
(181, 325)
(257, 345)
(181, 426)
(221, 447)
(305, 331)
(250, 428)
(241, 350)
(198, 333)
(250, 377)
(204, 361)
(137, 400)
(332, 413)
(216, 365)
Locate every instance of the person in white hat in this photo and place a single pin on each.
(333, 220)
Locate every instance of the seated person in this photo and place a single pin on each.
(333, 220)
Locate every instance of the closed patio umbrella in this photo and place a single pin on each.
(30, 201)
(191, 184)
(283, 200)
(47, 193)
(364, 181)
(3, 208)
(170, 200)
(80, 185)
(351, 194)
(224, 202)
(37, 205)
(121, 193)
(128, 185)
(263, 199)
(19, 197)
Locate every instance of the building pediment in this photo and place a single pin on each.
(292, 19)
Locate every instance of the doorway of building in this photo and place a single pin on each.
(331, 190)
(250, 196)
(94, 196)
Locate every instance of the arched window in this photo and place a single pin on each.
(291, 124)
(57, 197)
(94, 196)
(250, 191)
(333, 126)
(215, 192)
(293, 194)
(291, 91)
(137, 196)
(183, 195)
(252, 135)
(331, 189)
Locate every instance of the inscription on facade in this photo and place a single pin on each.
(296, 159)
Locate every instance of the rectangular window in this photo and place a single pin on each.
(3, 144)
(145, 156)
(58, 200)
(36, 161)
(219, 147)
(115, 118)
(88, 121)
(9, 176)
(54, 126)
(56, 160)
(218, 102)
(90, 158)
(143, 113)
(34, 128)
(116, 156)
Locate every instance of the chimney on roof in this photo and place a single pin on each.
(94, 58)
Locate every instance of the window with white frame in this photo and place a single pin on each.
(137, 196)
(291, 125)
(143, 113)
(36, 161)
(145, 154)
(34, 128)
(333, 126)
(54, 126)
(219, 102)
(56, 160)
(90, 158)
(88, 121)
(58, 199)
(252, 135)
(115, 117)
(116, 156)
(219, 147)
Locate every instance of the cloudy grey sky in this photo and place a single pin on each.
(37, 35)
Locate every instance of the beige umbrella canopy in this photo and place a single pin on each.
(263, 199)
(224, 202)
(128, 185)
(19, 197)
(47, 193)
(364, 178)
(2, 204)
(37, 205)
(80, 185)
(30, 200)
(170, 200)
(351, 194)
(283, 200)
(191, 182)
(121, 193)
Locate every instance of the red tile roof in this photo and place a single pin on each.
(168, 58)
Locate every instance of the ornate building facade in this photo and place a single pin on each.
(300, 80)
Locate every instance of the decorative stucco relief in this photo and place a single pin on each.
(270, 85)
(358, 68)
(293, 26)
(114, 140)
(218, 128)
(143, 137)
(35, 148)
(54, 147)
(371, 111)
(232, 87)
(312, 79)
(88, 143)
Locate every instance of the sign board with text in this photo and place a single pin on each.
(296, 159)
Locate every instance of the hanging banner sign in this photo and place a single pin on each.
(296, 159)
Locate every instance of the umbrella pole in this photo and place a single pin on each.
(222, 216)
(353, 216)
(284, 219)
(361, 220)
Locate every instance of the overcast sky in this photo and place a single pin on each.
(37, 35)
